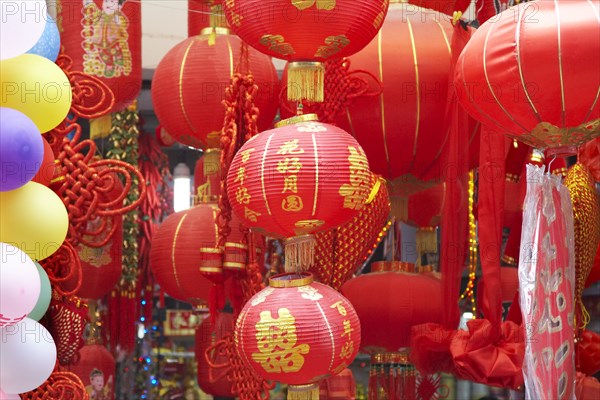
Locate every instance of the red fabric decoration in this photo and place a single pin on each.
(104, 40)
(299, 178)
(214, 368)
(301, 30)
(67, 317)
(189, 86)
(589, 155)
(96, 368)
(587, 387)
(594, 275)
(500, 82)
(509, 283)
(487, 9)
(425, 207)
(298, 332)
(387, 323)
(339, 387)
(48, 168)
(60, 385)
(588, 353)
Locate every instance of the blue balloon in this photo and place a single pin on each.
(49, 44)
(21, 149)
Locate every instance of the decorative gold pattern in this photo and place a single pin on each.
(277, 44)
(173, 263)
(357, 191)
(418, 90)
(332, 46)
(321, 4)
(291, 280)
(546, 135)
(560, 66)
(262, 174)
(378, 20)
(297, 119)
(316, 197)
(310, 293)
(518, 50)
(180, 83)
(277, 342)
(381, 100)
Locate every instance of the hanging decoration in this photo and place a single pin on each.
(306, 33)
(104, 39)
(340, 251)
(61, 385)
(546, 285)
(188, 90)
(68, 318)
(392, 377)
(96, 369)
(386, 323)
(298, 332)
(589, 155)
(318, 178)
(341, 386)
(204, 13)
(586, 219)
(556, 105)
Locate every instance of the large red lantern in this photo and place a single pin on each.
(298, 332)
(532, 73)
(307, 33)
(104, 39)
(96, 368)
(212, 379)
(185, 247)
(389, 304)
(402, 129)
(190, 81)
(298, 179)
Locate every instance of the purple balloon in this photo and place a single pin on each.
(21, 149)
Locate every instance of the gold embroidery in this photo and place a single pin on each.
(333, 45)
(321, 4)
(546, 135)
(277, 340)
(277, 44)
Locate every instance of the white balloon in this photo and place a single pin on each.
(7, 396)
(27, 356)
(21, 25)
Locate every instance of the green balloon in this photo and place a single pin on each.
(45, 295)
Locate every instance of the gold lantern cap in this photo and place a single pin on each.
(291, 279)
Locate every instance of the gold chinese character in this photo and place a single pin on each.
(246, 155)
(354, 197)
(251, 215)
(321, 4)
(241, 175)
(347, 350)
(333, 45)
(290, 183)
(242, 196)
(276, 338)
(348, 329)
(292, 203)
(277, 44)
(290, 147)
(291, 165)
(340, 307)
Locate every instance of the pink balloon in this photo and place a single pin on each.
(4, 396)
(20, 285)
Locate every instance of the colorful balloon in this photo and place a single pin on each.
(37, 87)
(49, 44)
(21, 149)
(23, 23)
(19, 285)
(45, 296)
(34, 219)
(48, 167)
(27, 356)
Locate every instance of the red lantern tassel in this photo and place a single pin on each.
(299, 253)
(393, 379)
(303, 392)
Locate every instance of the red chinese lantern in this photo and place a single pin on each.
(190, 81)
(306, 33)
(96, 368)
(536, 81)
(402, 129)
(297, 332)
(104, 38)
(184, 246)
(214, 380)
(298, 179)
(390, 303)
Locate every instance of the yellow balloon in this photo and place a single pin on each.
(34, 219)
(37, 87)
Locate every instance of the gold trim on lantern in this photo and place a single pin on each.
(290, 280)
(374, 191)
(236, 245)
(211, 270)
(297, 119)
(217, 30)
(211, 250)
(234, 265)
(303, 392)
(307, 78)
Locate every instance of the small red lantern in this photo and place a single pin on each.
(297, 332)
(96, 368)
(103, 38)
(214, 380)
(537, 81)
(190, 81)
(389, 304)
(307, 33)
(298, 179)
